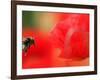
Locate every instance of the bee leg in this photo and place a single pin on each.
(26, 48)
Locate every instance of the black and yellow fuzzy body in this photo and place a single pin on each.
(26, 43)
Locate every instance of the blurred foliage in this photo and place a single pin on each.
(28, 19)
(39, 20)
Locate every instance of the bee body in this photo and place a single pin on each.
(26, 43)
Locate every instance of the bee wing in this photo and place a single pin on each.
(23, 46)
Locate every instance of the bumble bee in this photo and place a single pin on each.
(26, 43)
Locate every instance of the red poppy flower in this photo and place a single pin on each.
(69, 39)
(72, 36)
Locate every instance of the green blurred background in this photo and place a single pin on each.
(39, 20)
